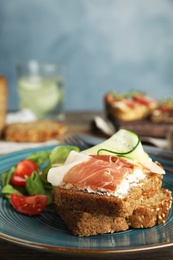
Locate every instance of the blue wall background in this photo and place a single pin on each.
(104, 45)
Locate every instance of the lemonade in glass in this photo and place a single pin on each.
(41, 89)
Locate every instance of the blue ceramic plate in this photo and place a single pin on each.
(49, 232)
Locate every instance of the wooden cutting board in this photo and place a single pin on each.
(145, 127)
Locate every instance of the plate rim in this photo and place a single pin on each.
(68, 250)
(71, 250)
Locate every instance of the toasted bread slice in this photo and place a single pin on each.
(87, 224)
(153, 210)
(97, 213)
(163, 113)
(127, 107)
(149, 212)
(89, 202)
(3, 103)
(37, 131)
(127, 114)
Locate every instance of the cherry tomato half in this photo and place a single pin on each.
(29, 205)
(18, 181)
(24, 168)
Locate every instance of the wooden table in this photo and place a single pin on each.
(78, 122)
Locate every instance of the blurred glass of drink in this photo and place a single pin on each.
(41, 89)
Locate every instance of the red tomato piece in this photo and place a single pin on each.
(29, 205)
(25, 167)
(130, 103)
(142, 100)
(18, 181)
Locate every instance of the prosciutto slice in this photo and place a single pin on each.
(95, 172)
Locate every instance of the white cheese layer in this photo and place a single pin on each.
(56, 175)
(131, 180)
(120, 105)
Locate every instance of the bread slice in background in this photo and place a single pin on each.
(130, 106)
(36, 131)
(3, 102)
(163, 113)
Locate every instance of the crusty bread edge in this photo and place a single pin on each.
(3, 103)
(82, 223)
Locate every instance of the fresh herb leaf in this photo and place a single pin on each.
(9, 189)
(6, 176)
(34, 184)
(39, 158)
(60, 153)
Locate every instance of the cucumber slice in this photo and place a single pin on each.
(41, 95)
(123, 143)
(126, 144)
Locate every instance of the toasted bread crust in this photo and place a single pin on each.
(86, 224)
(89, 213)
(3, 103)
(151, 185)
(128, 114)
(163, 113)
(110, 205)
(89, 202)
(159, 116)
(127, 108)
(152, 211)
(149, 212)
(37, 131)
